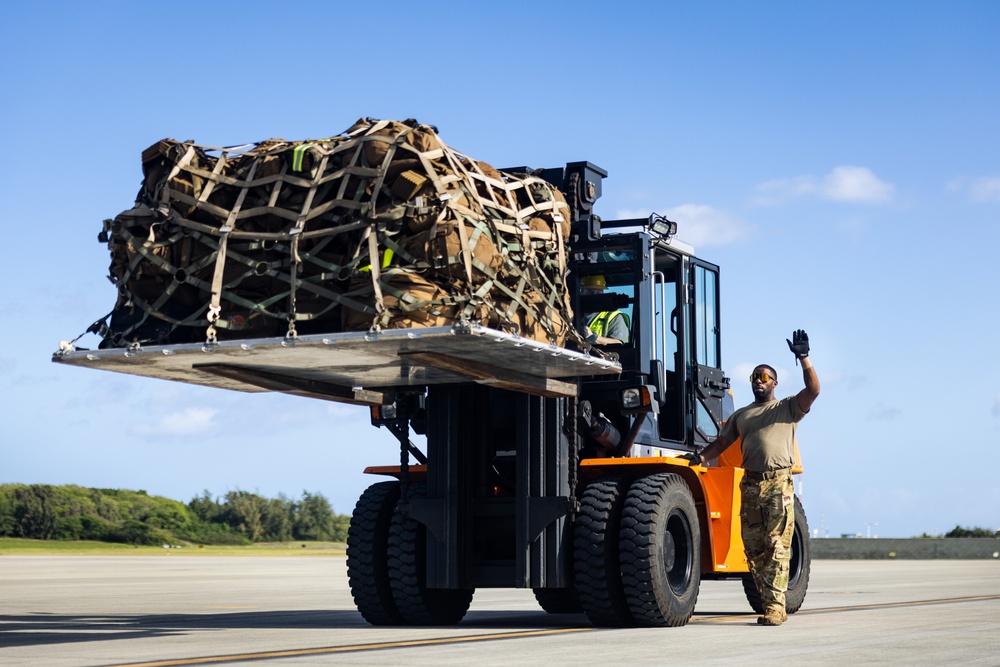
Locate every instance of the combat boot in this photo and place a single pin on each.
(773, 616)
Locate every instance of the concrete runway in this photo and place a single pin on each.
(187, 610)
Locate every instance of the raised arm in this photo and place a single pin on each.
(808, 394)
(799, 345)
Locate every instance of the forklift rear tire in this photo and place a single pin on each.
(798, 568)
(595, 553)
(558, 600)
(368, 554)
(418, 604)
(660, 543)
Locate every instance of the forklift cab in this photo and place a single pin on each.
(671, 299)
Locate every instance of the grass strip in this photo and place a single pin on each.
(14, 546)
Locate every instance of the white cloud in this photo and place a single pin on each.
(996, 406)
(980, 190)
(853, 382)
(856, 184)
(985, 189)
(882, 412)
(190, 421)
(842, 184)
(698, 224)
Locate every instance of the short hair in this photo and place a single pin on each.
(774, 373)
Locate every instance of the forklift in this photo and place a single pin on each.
(573, 489)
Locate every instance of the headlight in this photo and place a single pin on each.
(382, 413)
(634, 398)
(661, 226)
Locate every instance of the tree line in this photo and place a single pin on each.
(46, 512)
(960, 531)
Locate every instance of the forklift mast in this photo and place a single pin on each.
(502, 471)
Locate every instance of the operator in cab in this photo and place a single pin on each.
(609, 327)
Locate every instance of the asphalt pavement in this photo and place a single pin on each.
(177, 610)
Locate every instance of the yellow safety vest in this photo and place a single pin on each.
(602, 321)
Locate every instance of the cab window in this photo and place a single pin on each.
(706, 325)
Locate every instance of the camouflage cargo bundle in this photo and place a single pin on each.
(381, 227)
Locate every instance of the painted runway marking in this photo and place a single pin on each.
(859, 607)
(326, 650)
(352, 648)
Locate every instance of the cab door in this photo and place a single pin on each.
(708, 383)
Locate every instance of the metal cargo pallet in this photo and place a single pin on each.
(358, 367)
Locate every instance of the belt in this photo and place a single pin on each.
(770, 474)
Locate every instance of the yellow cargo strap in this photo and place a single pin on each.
(386, 260)
(299, 154)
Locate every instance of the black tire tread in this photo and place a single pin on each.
(558, 600)
(649, 503)
(418, 604)
(596, 553)
(367, 554)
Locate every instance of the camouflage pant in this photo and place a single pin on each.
(768, 516)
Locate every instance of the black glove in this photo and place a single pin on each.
(693, 458)
(799, 345)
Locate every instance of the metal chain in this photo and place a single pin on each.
(574, 460)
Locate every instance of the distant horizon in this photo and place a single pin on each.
(814, 532)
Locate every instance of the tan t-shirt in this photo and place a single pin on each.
(767, 432)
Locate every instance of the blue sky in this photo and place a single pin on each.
(839, 160)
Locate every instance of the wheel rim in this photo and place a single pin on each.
(678, 552)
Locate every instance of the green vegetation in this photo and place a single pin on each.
(19, 546)
(959, 531)
(44, 512)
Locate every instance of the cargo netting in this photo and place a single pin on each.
(383, 226)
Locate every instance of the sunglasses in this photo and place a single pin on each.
(763, 377)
